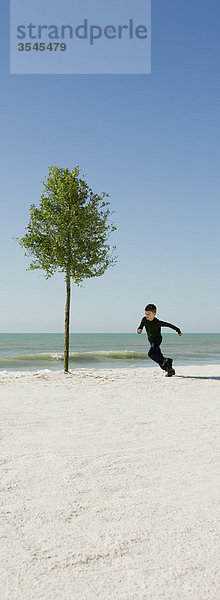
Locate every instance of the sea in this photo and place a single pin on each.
(33, 352)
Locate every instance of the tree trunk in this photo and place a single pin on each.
(67, 325)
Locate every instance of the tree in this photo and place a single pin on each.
(69, 233)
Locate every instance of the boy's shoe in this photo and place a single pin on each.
(168, 364)
(170, 373)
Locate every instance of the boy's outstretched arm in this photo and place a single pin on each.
(165, 324)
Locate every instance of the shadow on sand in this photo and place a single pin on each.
(194, 377)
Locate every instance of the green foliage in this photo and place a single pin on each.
(69, 231)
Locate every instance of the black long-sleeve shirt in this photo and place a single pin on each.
(153, 328)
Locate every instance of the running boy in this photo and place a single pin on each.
(153, 329)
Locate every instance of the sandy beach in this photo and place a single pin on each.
(110, 485)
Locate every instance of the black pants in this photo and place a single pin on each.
(156, 354)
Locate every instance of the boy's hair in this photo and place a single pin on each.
(151, 307)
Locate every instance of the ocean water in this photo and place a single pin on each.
(40, 351)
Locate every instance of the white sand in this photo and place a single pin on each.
(110, 485)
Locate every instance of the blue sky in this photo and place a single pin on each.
(152, 143)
